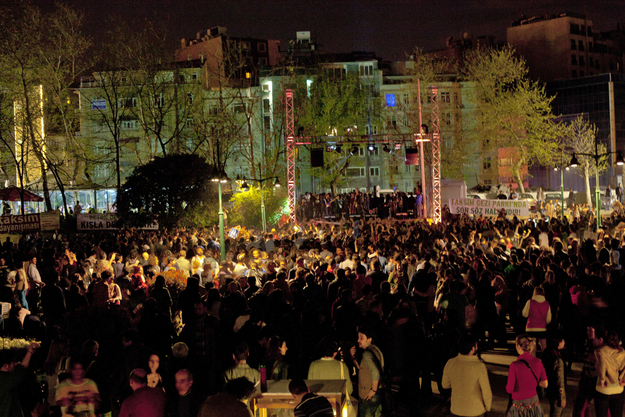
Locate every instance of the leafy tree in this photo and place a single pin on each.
(514, 112)
(336, 106)
(246, 206)
(171, 189)
(580, 138)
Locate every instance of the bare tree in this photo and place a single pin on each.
(581, 138)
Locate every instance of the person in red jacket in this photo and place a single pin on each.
(525, 374)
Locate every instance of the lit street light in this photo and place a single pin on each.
(219, 176)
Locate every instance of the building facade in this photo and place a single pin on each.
(564, 46)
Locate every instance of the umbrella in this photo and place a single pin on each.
(13, 194)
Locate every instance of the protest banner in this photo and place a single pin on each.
(476, 207)
(104, 221)
(29, 223)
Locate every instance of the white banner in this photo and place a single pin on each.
(104, 221)
(476, 206)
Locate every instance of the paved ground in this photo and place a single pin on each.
(498, 362)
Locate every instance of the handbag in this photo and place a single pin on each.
(348, 400)
(539, 390)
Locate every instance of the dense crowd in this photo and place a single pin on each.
(145, 317)
(356, 203)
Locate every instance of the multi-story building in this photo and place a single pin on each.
(221, 54)
(564, 46)
(457, 123)
(599, 99)
(582, 69)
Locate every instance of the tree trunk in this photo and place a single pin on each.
(587, 185)
(516, 168)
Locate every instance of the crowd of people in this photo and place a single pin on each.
(356, 203)
(155, 323)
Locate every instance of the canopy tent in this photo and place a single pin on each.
(13, 194)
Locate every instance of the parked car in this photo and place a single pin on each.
(530, 199)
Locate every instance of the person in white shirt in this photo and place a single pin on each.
(467, 377)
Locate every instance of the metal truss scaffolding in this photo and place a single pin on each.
(436, 157)
(290, 154)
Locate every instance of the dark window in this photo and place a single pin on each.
(574, 75)
(574, 59)
(573, 45)
(581, 61)
(267, 122)
(580, 45)
(262, 47)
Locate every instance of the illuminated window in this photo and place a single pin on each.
(390, 100)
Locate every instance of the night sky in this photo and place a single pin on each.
(390, 28)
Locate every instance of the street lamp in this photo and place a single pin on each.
(597, 156)
(261, 180)
(220, 177)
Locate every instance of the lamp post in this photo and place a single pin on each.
(219, 176)
(261, 180)
(597, 156)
